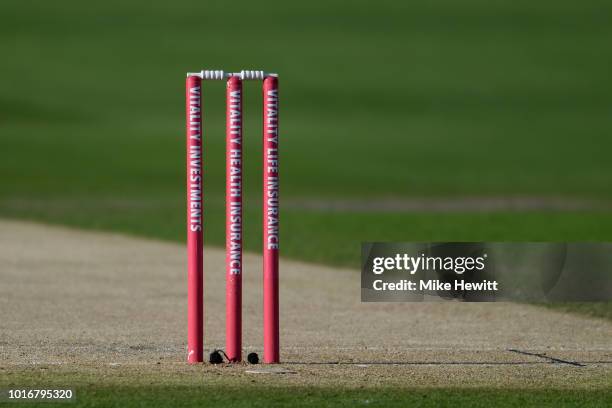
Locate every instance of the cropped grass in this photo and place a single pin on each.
(177, 396)
(593, 309)
(399, 100)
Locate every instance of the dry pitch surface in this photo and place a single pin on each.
(107, 308)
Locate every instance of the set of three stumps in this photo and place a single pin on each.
(234, 213)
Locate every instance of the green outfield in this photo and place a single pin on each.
(193, 386)
(185, 396)
(429, 99)
(390, 100)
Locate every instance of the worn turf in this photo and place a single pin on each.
(105, 315)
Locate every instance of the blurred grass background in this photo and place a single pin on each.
(387, 100)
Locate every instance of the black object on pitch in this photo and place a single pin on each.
(253, 358)
(215, 357)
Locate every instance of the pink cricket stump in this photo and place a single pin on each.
(195, 306)
(233, 220)
(270, 220)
